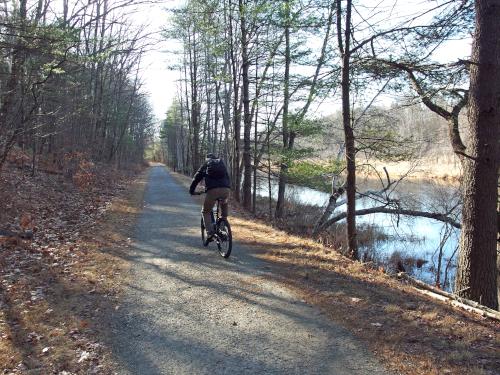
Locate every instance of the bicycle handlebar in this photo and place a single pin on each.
(199, 192)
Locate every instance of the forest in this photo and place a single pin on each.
(323, 94)
(70, 91)
(361, 141)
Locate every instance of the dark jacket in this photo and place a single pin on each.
(210, 182)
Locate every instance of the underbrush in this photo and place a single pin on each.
(54, 272)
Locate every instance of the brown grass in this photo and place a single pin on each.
(52, 292)
(439, 169)
(411, 333)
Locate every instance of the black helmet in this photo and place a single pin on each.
(211, 156)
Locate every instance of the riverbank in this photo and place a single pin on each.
(378, 245)
(316, 174)
(444, 169)
(411, 333)
(419, 246)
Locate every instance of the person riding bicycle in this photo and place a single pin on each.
(217, 186)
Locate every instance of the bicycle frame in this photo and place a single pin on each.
(216, 217)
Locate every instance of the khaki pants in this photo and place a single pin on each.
(211, 196)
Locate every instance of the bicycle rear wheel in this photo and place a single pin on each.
(204, 235)
(224, 238)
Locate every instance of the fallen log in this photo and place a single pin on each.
(43, 170)
(395, 211)
(453, 300)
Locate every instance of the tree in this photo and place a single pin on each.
(376, 40)
(476, 273)
(441, 89)
(288, 135)
(247, 119)
(71, 85)
(295, 123)
(344, 45)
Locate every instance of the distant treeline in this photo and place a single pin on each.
(69, 84)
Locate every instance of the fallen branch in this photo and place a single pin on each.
(43, 170)
(395, 211)
(330, 208)
(377, 195)
(6, 234)
(452, 299)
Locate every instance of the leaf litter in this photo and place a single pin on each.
(53, 271)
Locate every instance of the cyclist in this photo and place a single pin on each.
(217, 186)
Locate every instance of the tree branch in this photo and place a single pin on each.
(395, 211)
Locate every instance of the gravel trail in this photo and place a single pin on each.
(189, 311)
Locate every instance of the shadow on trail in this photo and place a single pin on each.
(167, 250)
(390, 319)
(188, 310)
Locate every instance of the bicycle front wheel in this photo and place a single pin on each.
(224, 239)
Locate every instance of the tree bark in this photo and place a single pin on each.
(476, 272)
(280, 204)
(255, 137)
(330, 208)
(247, 119)
(195, 113)
(10, 119)
(350, 150)
(236, 114)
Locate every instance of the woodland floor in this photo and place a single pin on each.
(56, 289)
(53, 287)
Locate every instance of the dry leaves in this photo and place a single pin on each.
(43, 224)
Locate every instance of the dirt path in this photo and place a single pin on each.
(188, 311)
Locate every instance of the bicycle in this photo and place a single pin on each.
(222, 236)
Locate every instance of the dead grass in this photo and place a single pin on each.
(54, 287)
(411, 333)
(439, 169)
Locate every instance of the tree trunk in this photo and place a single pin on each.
(350, 151)
(247, 120)
(10, 120)
(476, 273)
(236, 114)
(195, 113)
(280, 203)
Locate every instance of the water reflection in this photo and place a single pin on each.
(420, 245)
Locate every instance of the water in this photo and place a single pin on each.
(414, 241)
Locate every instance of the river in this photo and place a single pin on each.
(424, 247)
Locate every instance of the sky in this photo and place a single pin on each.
(161, 82)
